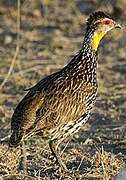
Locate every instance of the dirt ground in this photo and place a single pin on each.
(51, 33)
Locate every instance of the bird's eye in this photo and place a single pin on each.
(106, 22)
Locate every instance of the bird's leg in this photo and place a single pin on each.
(24, 158)
(54, 149)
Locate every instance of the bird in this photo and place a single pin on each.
(60, 103)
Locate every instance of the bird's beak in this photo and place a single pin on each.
(117, 25)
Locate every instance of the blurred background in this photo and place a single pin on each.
(50, 32)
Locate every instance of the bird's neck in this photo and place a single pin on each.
(84, 65)
(92, 40)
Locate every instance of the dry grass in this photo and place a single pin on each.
(105, 165)
(48, 38)
(9, 159)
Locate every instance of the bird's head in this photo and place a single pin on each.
(99, 24)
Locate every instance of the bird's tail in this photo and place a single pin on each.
(16, 137)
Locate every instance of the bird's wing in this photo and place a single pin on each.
(25, 112)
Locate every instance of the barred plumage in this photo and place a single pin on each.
(61, 103)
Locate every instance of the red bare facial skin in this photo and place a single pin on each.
(109, 22)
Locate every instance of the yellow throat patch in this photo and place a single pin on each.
(96, 39)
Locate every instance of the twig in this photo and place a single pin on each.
(17, 46)
(64, 148)
(80, 163)
(4, 138)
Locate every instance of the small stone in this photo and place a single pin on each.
(8, 39)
